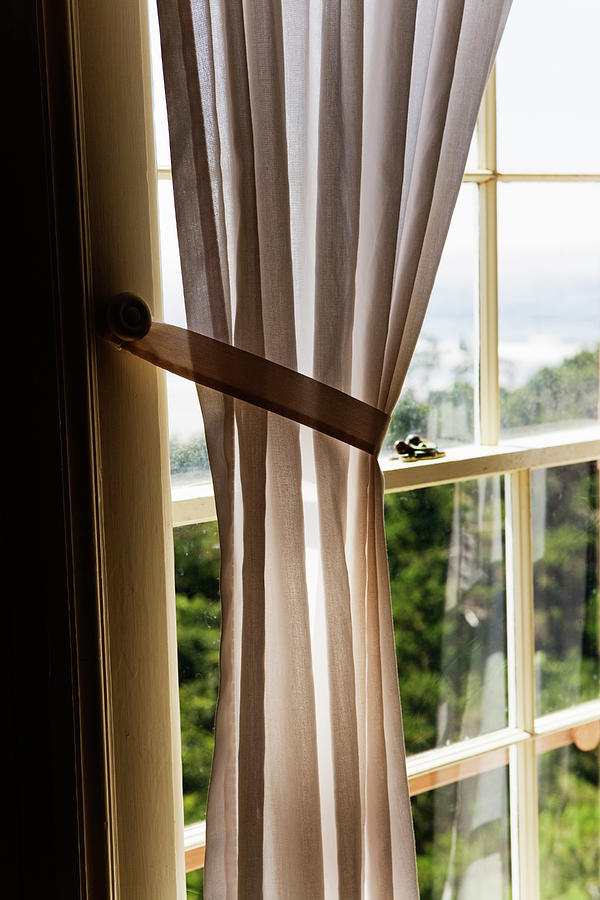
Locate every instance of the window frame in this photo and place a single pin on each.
(137, 644)
(526, 735)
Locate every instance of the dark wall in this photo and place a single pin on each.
(53, 720)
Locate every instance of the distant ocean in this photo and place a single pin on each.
(540, 324)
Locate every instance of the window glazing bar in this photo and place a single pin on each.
(519, 593)
(487, 413)
(521, 687)
(565, 719)
(469, 761)
(164, 173)
(483, 175)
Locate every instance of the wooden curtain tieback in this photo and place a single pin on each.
(238, 373)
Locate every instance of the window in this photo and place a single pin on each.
(494, 548)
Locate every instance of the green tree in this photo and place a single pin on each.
(564, 393)
(409, 416)
(198, 632)
(190, 456)
(417, 528)
(569, 824)
(566, 588)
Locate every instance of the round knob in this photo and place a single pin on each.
(128, 317)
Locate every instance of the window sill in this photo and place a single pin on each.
(193, 504)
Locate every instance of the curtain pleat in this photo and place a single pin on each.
(336, 241)
(332, 471)
(317, 152)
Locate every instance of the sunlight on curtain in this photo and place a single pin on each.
(317, 154)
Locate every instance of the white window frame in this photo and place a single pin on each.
(137, 649)
(526, 736)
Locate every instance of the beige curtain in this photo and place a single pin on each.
(317, 152)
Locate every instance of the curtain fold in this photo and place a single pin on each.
(317, 152)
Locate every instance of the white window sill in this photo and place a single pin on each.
(195, 503)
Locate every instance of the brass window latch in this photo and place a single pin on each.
(415, 447)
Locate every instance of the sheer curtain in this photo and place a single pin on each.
(317, 152)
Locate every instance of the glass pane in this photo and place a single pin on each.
(437, 397)
(564, 512)
(194, 883)
(548, 71)
(161, 130)
(462, 835)
(197, 561)
(446, 560)
(472, 157)
(189, 458)
(569, 824)
(549, 304)
(172, 287)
